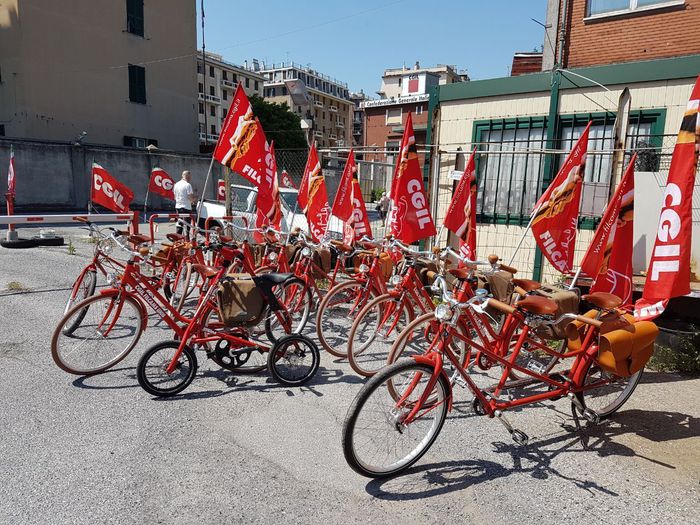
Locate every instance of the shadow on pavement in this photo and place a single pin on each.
(537, 458)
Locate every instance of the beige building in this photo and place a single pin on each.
(122, 71)
(322, 102)
(217, 81)
(395, 82)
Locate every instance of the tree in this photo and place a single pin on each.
(280, 124)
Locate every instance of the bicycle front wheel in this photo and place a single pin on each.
(374, 332)
(336, 313)
(110, 328)
(83, 288)
(152, 374)
(377, 438)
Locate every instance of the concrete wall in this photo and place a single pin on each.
(64, 70)
(56, 176)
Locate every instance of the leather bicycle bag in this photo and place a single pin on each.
(321, 257)
(425, 268)
(567, 303)
(161, 255)
(386, 265)
(240, 302)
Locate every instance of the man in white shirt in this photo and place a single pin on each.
(184, 195)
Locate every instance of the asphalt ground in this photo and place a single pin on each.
(242, 449)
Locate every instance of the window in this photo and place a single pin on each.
(284, 91)
(2, 130)
(211, 71)
(605, 7)
(224, 94)
(137, 84)
(200, 86)
(224, 111)
(212, 111)
(224, 75)
(393, 116)
(234, 77)
(138, 142)
(257, 85)
(201, 108)
(134, 17)
(419, 109)
(212, 91)
(247, 82)
(199, 68)
(213, 129)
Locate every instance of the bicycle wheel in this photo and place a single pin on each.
(83, 287)
(296, 298)
(293, 360)
(110, 328)
(374, 332)
(249, 360)
(336, 313)
(376, 440)
(151, 370)
(186, 281)
(613, 392)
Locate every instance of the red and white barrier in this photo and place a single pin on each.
(132, 217)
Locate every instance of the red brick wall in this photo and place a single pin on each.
(377, 132)
(524, 64)
(663, 33)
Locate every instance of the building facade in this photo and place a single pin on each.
(322, 102)
(358, 119)
(393, 80)
(217, 81)
(99, 71)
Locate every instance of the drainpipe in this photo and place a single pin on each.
(549, 171)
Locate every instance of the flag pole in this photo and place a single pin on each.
(576, 276)
(204, 189)
(522, 238)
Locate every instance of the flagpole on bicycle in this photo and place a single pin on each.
(204, 189)
(522, 238)
(575, 278)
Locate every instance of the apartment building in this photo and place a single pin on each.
(322, 102)
(393, 80)
(101, 71)
(217, 81)
(358, 118)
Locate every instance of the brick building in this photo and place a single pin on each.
(616, 31)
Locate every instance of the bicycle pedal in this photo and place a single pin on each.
(520, 437)
(591, 416)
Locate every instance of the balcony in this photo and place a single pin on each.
(210, 138)
(333, 109)
(318, 133)
(209, 98)
(318, 104)
(332, 136)
(229, 84)
(340, 125)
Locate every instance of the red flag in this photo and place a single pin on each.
(312, 164)
(317, 210)
(108, 191)
(269, 208)
(239, 146)
(668, 274)
(11, 174)
(555, 217)
(342, 204)
(410, 217)
(608, 260)
(221, 190)
(287, 181)
(161, 183)
(358, 225)
(461, 215)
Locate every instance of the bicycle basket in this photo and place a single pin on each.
(240, 302)
(567, 302)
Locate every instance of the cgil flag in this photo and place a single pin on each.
(461, 215)
(239, 146)
(11, 174)
(316, 209)
(287, 181)
(161, 183)
(358, 226)
(608, 260)
(221, 190)
(312, 164)
(668, 274)
(342, 204)
(410, 217)
(555, 217)
(269, 208)
(108, 191)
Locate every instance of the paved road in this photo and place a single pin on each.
(245, 450)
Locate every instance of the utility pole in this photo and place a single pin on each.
(204, 80)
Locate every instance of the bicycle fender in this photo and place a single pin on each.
(434, 363)
(139, 302)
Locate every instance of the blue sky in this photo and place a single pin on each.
(356, 40)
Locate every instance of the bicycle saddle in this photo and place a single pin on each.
(137, 238)
(174, 237)
(460, 273)
(536, 304)
(272, 279)
(341, 246)
(605, 301)
(527, 284)
(206, 271)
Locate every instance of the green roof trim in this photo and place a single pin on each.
(610, 74)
